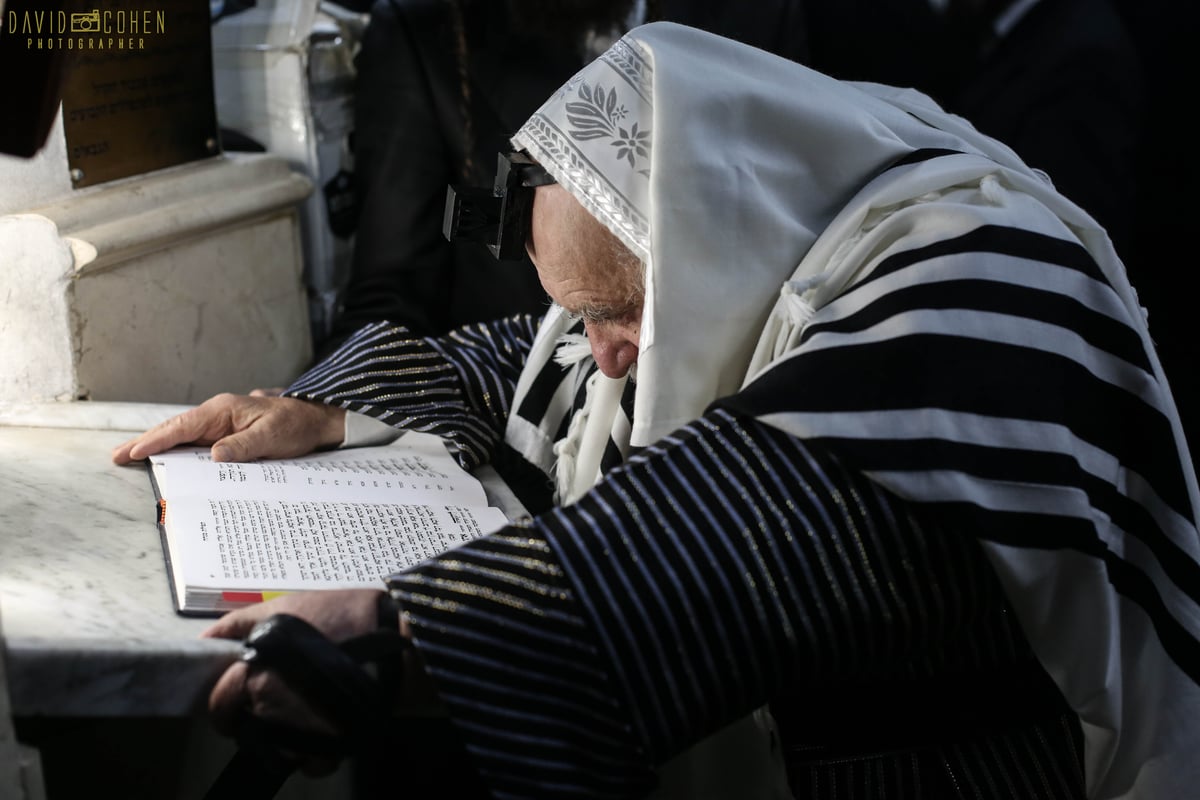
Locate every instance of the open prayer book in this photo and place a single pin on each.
(235, 534)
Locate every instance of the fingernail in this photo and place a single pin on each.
(221, 453)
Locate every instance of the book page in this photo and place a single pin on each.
(274, 545)
(417, 469)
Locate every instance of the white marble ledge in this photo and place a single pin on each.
(137, 417)
(88, 621)
(89, 625)
(90, 415)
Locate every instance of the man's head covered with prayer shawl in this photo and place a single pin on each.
(765, 206)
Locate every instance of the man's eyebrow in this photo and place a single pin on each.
(600, 313)
(591, 312)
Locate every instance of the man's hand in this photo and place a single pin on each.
(339, 615)
(243, 428)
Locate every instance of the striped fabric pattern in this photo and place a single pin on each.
(517, 666)
(986, 374)
(555, 392)
(817, 537)
(728, 565)
(976, 377)
(458, 386)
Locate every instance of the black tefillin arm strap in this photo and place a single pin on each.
(333, 680)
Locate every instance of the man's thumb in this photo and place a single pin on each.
(241, 446)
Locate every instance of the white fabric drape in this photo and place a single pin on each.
(738, 177)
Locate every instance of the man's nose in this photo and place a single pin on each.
(614, 351)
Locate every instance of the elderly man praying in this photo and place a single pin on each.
(853, 467)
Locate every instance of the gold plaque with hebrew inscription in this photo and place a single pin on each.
(137, 88)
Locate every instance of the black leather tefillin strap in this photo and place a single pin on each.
(333, 680)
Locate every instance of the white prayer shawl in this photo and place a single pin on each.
(745, 182)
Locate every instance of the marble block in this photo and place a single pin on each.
(93, 648)
(168, 288)
(89, 626)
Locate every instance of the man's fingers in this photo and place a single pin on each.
(120, 453)
(244, 446)
(279, 428)
(263, 439)
(243, 689)
(272, 699)
(228, 627)
(228, 698)
(203, 424)
(159, 438)
(242, 429)
(185, 428)
(238, 624)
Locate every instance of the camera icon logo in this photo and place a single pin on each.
(86, 23)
